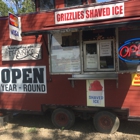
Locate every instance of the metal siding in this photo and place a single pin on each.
(125, 96)
(132, 8)
(59, 89)
(45, 20)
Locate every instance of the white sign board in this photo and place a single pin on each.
(95, 93)
(105, 48)
(21, 52)
(91, 60)
(15, 27)
(90, 13)
(26, 79)
(65, 59)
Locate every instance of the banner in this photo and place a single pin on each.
(21, 52)
(26, 79)
(90, 13)
(15, 27)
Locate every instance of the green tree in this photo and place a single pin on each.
(4, 9)
(21, 6)
(28, 6)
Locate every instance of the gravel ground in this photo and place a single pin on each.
(38, 127)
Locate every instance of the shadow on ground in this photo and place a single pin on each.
(37, 126)
(84, 126)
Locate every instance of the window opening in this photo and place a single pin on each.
(46, 4)
(106, 55)
(70, 3)
(65, 53)
(99, 55)
(129, 48)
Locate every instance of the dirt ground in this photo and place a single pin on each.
(38, 127)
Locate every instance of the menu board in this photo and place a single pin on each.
(105, 48)
(65, 59)
(91, 61)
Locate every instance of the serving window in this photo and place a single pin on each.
(99, 55)
(65, 53)
(82, 52)
(99, 50)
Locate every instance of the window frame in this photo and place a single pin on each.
(46, 9)
(64, 48)
(66, 5)
(98, 56)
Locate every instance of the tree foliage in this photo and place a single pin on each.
(23, 6)
(16, 6)
(28, 6)
(4, 9)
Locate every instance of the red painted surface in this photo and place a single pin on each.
(59, 4)
(59, 90)
(46, 20)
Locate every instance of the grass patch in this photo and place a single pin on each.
(32, 130)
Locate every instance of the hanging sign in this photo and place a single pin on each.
(90, 13)
(15, 27)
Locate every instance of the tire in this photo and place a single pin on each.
(106, 122)
(63, 118)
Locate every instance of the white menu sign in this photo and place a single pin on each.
(91, 60)
(105, 48)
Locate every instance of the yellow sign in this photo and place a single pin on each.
(135, 79)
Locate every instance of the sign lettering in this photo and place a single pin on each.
(15, 27)
(23, 79)
(21, 52)
(90, 13)
(130, 51)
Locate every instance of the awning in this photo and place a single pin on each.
(112, 23)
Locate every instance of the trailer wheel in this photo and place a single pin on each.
(106, 122)
(63, 118)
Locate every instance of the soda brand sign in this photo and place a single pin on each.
(90, 13)
(15, 27)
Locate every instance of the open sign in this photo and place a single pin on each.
(25, 79)
(130, 51)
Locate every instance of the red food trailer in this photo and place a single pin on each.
(73, 59)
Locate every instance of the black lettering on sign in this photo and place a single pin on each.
(38, 75)
(16, 74)
(5, 76)
(26, 76)
(8, 87)
(33, 88)
(2, 87)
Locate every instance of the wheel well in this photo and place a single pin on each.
(87, 111)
